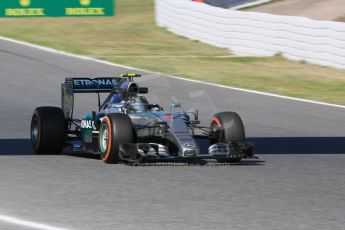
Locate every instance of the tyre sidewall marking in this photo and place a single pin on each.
(39, 134)
(110, 139)
(101, 134)
(218, 123)
(216, 120)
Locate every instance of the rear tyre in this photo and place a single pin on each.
(228, 127)
(48, 130)
(115, 129)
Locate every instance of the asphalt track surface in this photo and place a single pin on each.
(298, 183)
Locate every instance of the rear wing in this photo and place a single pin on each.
(94, 85)
(91, 85)
(85, 85)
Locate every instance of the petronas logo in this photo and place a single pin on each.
(25, 3)
(85, 2)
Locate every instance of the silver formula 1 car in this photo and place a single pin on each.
(127, 128)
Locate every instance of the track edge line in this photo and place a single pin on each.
(26, 223)
(82, 57)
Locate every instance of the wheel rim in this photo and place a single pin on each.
(104, 139)
(35, 131)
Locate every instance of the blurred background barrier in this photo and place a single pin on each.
(257, 34)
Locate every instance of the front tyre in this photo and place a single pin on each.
(115, 129)
(48, 130)
(228, 127)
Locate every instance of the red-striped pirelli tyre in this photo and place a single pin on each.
(228, 127)
(48, 130)
(115, 129)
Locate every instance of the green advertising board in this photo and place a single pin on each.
(56, 8)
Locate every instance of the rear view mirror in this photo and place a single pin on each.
(175, 105)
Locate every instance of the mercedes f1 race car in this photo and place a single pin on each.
(127, 128)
